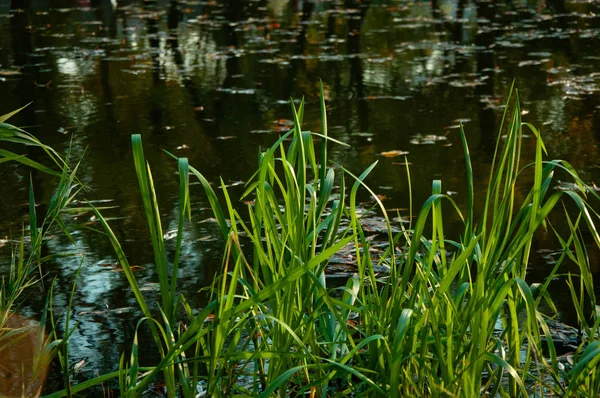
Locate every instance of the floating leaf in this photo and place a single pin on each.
(394, 153)
(427, 139)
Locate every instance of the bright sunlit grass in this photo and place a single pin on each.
(455, 315)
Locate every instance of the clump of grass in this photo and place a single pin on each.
(430, 327)
(27, 263)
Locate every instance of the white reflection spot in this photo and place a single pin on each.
(67, 66)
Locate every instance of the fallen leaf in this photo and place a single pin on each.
(394, 153)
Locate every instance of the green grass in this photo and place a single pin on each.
(27, 261)
(273, 326)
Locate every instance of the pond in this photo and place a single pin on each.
(211, 80)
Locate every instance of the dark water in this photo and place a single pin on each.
(211, 80)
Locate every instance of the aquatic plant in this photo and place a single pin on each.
(451, 316)
(26, 347)
(428, 328)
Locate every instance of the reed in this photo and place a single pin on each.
(27, 347)
(454, 316)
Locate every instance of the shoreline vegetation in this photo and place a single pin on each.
(427, 315)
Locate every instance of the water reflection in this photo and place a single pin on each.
(211, 80)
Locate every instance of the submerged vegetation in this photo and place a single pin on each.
(450, 316)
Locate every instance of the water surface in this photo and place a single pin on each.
(211, 80)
